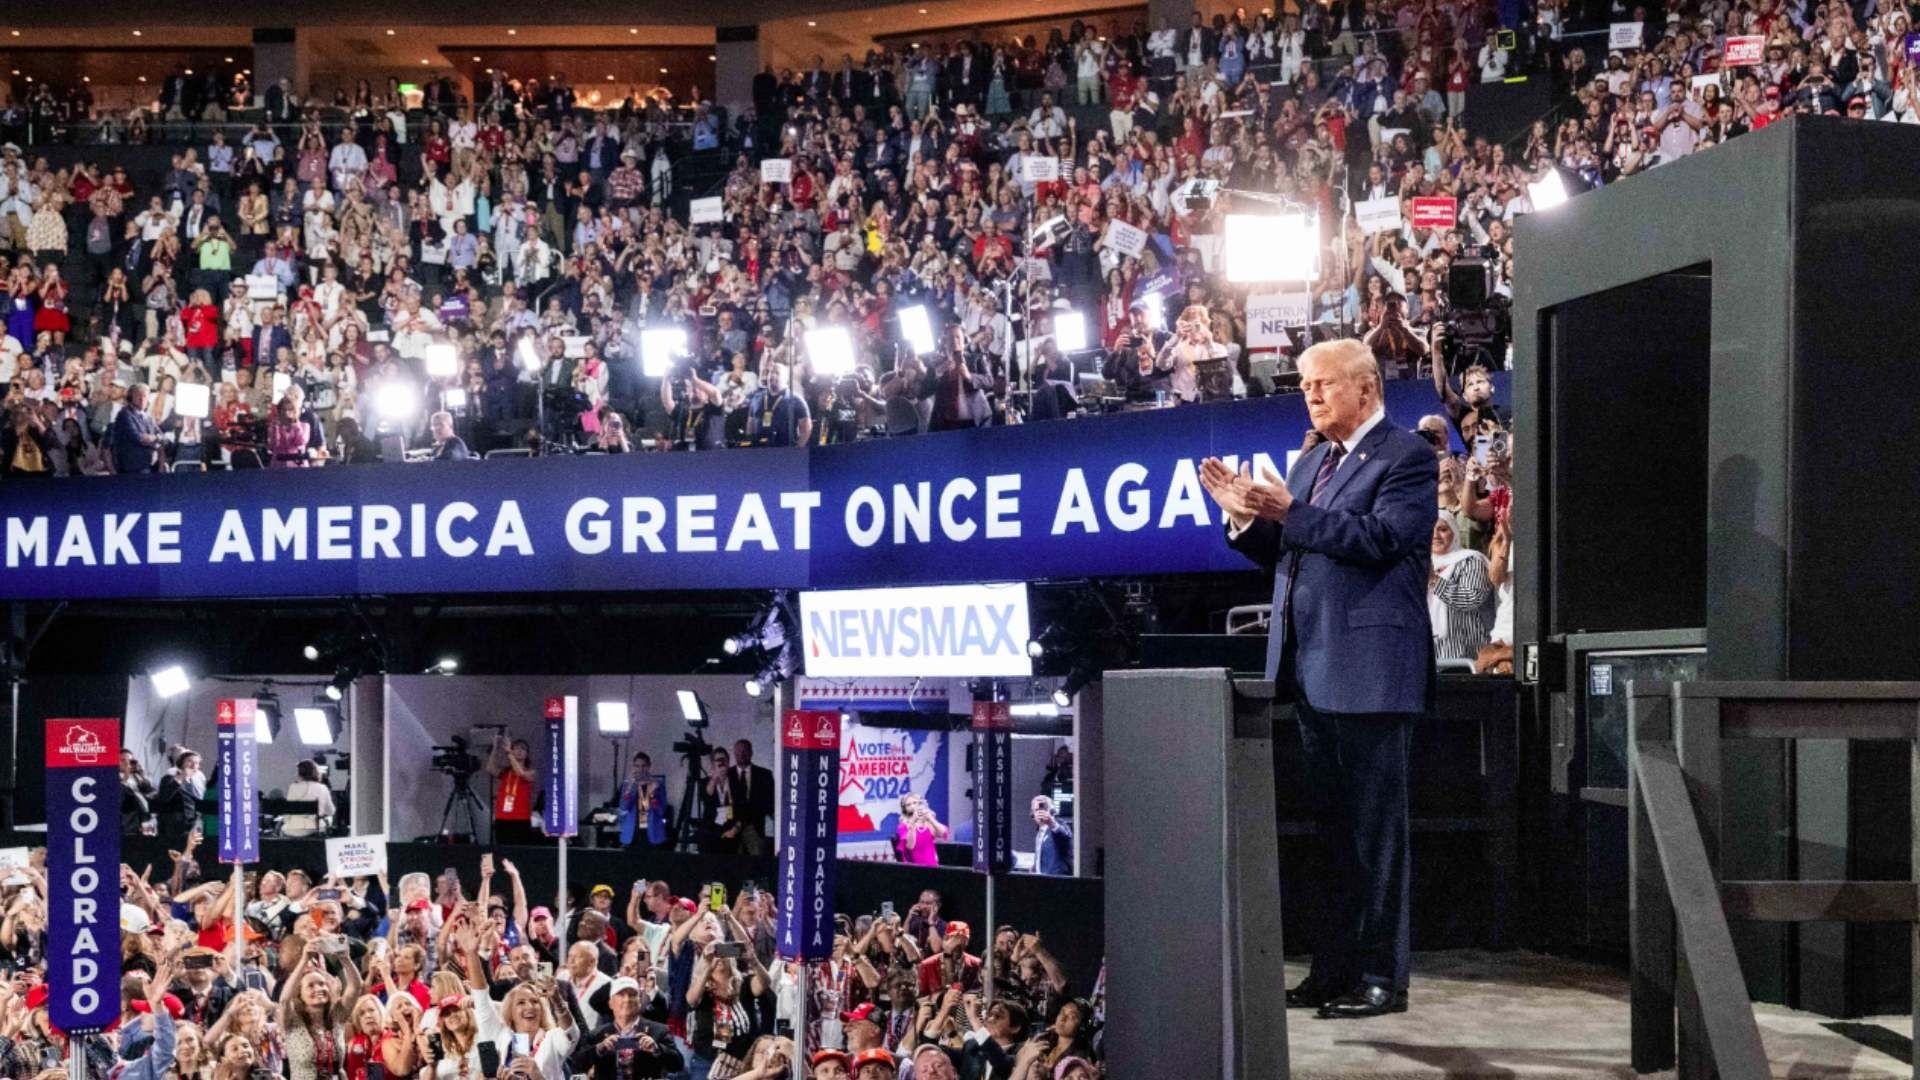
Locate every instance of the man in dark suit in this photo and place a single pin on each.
(626, 1047)
(752, 799)
(1347, 538)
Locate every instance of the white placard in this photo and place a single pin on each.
(356, 856)
(1387, 134)
(951, 631)
(1704, 80)
(1208, 246)
(576, 345)
(1270, 315)
(1040, 269)
(13, 858)
(1377, 215)
(263, 287)
(1625, 35)
(373, 336)
(776, 170)
(1125, 239)
(705, 211)
(1040, 170)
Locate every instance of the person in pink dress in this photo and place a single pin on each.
(918, 831)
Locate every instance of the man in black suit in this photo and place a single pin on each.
(752, 791)
(1347, 539)
(626, 1047)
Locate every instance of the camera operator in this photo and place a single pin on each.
(694, 414)
(776, 417)
(1476, 386)
(512, 767)
(1132, 366)
(957, 385)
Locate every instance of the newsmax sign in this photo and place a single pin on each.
(959, 631)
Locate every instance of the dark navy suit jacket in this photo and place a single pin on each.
(1365, 644)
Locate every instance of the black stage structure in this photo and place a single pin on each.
(1716, 439)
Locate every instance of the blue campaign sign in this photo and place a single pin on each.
(1104, 496)
(992, 787)
(234, 724)
(562, 817)
(83, 874)
(809, 774)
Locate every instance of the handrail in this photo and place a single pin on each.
(1674, 739)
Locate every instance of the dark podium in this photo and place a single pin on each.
(1719, 425)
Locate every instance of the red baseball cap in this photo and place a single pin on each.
(420, 905)
(821, 1057)
(860, 1012)
(873, 1055)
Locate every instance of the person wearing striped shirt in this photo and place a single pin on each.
(1459, 596)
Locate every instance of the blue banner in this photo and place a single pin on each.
(1105, 496)
(992, 787)
(83, 874)
(810, 773)
(562, 817)
(235, 722)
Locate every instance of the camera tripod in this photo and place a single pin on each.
(462, 801)
(686, 827)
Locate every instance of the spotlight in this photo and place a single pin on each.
(693, 709)
(613, 718)
(1271, 247)
(1069, 331)
(311, 652)
(754, 687)
(660, 348)
(831, 350)
(396, 401)
(455, 398)
(1547, 192)
(342, 678)
(170, 681)
(192, 399)
(1036, 650)
(446, 665)
(317, 726)
(443, 360)
(1037, 708)
(736, 644)
(1063, 694)
(917, 328)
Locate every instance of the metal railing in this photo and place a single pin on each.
(1683, 958)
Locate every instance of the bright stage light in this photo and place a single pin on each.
(831, 350)
(691, 707)
(443, 360)
(1069, 331)
(530, 358)
(315, 726)
(1271, 247)
(917, 328)
(396, 401)
(192, 399)
(1156, 310)
(1547, 192)
(755, 687)
(455, 398)
(170, 681)
(660, 348)
(613, 717)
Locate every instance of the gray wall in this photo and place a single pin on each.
(151, 724)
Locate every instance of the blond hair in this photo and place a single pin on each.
(1354, 358)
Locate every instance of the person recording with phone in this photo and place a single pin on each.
(627, 1046)
(919, 830)
(696, 418)
(512, 767)
(1133, 364)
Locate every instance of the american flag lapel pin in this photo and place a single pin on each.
(1363, 455)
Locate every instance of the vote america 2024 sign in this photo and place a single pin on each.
(83, 874)
(879, 767)
(809, 772)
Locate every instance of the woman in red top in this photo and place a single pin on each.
(366, 1029)
(513, 792)
(52, 316)
(201, 321)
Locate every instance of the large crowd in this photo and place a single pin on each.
(354, 277)
(330, 979)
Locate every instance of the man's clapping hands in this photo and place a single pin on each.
(1243, 498)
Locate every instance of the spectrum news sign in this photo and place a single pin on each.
(1108, 496)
